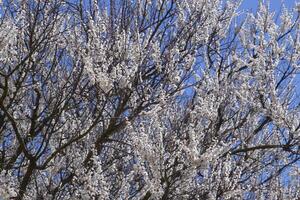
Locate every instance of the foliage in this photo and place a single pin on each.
(148, 99)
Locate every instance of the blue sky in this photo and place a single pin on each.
(274, 4)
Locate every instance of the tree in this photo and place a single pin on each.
(148, 99)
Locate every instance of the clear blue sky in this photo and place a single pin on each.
(275, 4)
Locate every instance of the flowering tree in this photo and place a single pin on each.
(148, 99)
